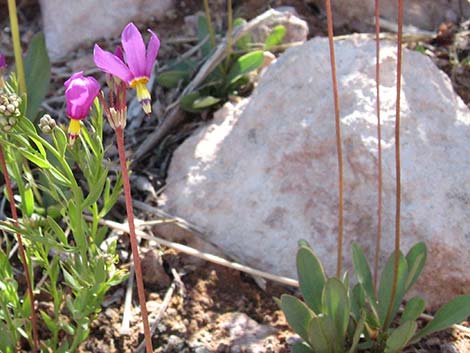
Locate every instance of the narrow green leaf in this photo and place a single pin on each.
(28, 200)
(364, 277)
(171, 79)
(245, 64)
(95, 191)
(38, 74)
(385, 289)
(416, 258)
(358, 332)
(275, 37)
(311, 278)
(358, 300)
(35, 158)
(455, 311)
(413, 309)
(298, 315)
(400, 337)
(335, 304)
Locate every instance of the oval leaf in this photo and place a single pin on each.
(400, 337)
(413, 309)
(311, 278)
(455, 311)
(245, 64)
(275, 37)
(298, 315)
(416, 258)
(170, 79)
(336, 304)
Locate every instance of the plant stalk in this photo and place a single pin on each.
(22, 252)
(207, 12)
(133, 238)
(338, 139)
(397, 162)
(15, 34)
(379, 144)
(229, 33)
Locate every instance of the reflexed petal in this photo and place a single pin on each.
(152, 52)
(111, 64)
(134, 48)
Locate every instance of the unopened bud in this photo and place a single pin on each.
(46, 124)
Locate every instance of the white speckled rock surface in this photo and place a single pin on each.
(263, 173)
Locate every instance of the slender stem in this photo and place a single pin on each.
(22, 252)
(133, 237)
(379, 144)
(15, 33)
(209, 22)
(338, 139)
(397, 162)
(229, 33)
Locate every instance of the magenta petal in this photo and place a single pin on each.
(79, 95)
(134, 48)
(152, 52)
(111, 64)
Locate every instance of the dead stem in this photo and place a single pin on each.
(397, 163)
(133, 238)
(338, 140)
(379, 144)
(14, 214)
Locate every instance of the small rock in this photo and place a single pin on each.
(245, 334)
(153, 272)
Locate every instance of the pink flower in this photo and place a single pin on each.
(80, 91)
(137, 66)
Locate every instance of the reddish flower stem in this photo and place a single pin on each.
(14, 213)
(338, 139)
(397, 162)
(379, 144)
(135, 251)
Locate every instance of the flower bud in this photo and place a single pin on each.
(9, 111)
(47, 124)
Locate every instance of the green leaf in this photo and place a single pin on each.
(301, 347)
(358, 300)
(364, 277)
(335, 304)
(455, 311)
(416, 258)
(194, 102)
(358, 332)
(35, 158)
(275, 37)
(298, 315)
(203, 33)
(245, 64)
(320, 335)
(28, 200)
(205, 102)
(413, 309)
(385, 289)
(400, 337)
(244, 42)
(311, 278)
(96, 190)
(38, 74)
(171, 79)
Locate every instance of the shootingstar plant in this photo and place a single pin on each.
(136, 66)
(80, 91)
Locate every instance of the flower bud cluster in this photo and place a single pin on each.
(9, 110)
(46, 124)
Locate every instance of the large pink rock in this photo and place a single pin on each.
(424, 14)
(263, 173)
(68, 24)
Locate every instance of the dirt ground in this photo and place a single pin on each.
(212, 308)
